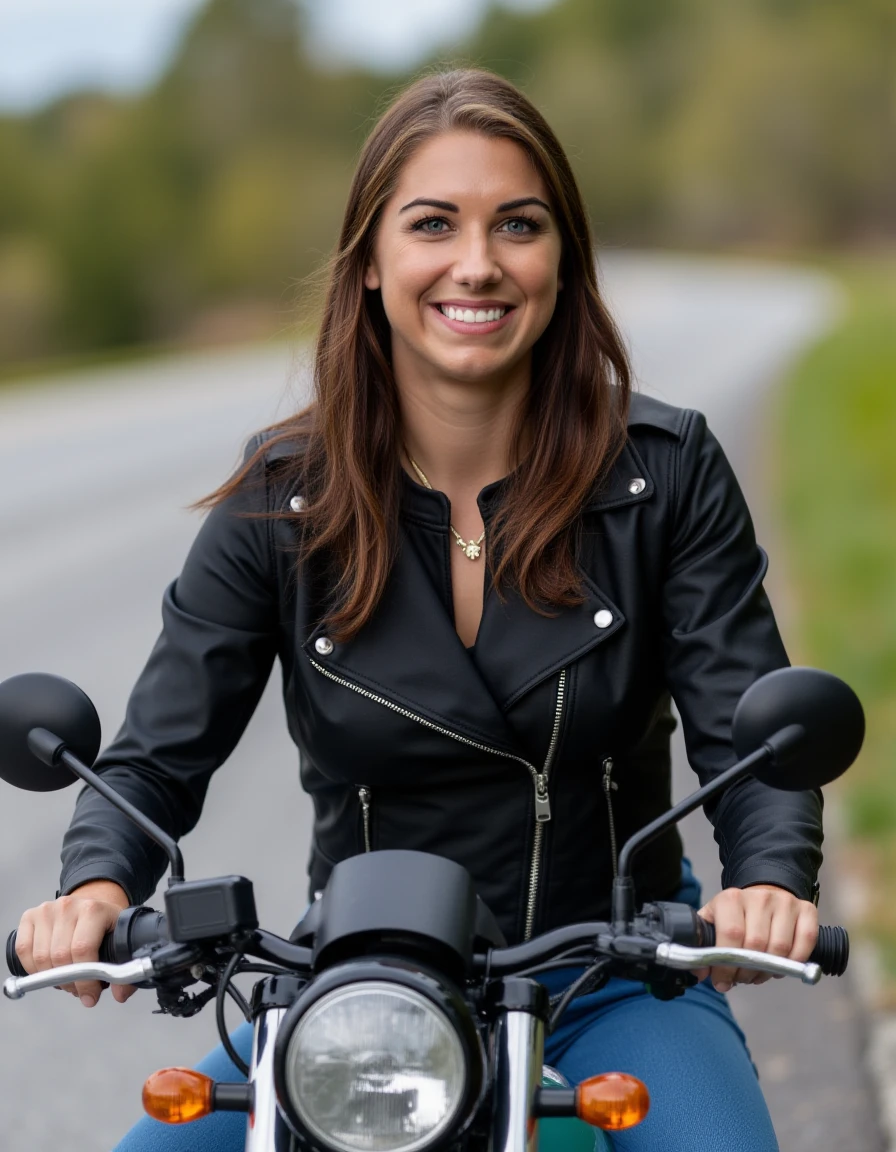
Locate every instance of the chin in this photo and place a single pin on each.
(476, 367)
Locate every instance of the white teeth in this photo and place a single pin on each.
(469, 316)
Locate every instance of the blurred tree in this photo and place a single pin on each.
(688, 123)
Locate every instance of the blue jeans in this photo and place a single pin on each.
(704, 1092)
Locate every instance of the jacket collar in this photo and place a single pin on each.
(628, 482)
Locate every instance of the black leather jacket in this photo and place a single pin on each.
(529, 759)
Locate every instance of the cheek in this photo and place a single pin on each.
(406, 277)
(538, 279)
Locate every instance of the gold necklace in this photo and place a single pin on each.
(472, 548)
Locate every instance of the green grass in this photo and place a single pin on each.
(838, 485)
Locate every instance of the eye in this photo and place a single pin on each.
(520, 226)
(431, 225)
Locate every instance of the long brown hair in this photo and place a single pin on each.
(348, 440)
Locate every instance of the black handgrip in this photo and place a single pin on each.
(831, 952)
(135, 929)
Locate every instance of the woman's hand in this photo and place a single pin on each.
(69, 931)
(761, 917)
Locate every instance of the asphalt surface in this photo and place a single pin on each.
(96, 472)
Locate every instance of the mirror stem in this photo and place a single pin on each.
(51, 750)
(623, 886)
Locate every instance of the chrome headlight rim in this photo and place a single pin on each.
(440, 992)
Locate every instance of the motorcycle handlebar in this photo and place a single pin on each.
(677, 922)
(140, 927)
(135, 928)
(831, 953)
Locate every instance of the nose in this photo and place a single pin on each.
(475, 264)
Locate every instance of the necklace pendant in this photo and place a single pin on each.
(472, 550)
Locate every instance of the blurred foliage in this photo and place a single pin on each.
(839, 507)
(193, 211)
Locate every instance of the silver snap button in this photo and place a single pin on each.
(297, 504)
(637, 485)
(603, 619)
(323, 645)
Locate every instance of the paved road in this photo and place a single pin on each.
(95, 474)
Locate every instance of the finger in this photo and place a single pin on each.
(730, 922)
(805, 935)
(781, 937)
(62, 918)
(704, 913)
(764, 916)
(24, 943)
(42, 935)
(122, 992)
(94, 919)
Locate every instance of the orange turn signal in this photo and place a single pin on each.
(177, 1095)
(612, 1101)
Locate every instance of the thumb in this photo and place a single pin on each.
(705, 913)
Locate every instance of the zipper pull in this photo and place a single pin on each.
(609, 783)
(542, 800)
(364, 797)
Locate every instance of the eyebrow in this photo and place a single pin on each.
(447, 206)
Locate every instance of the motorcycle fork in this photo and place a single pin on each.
(518, 1053)
(266, 1130)
(517, 1050)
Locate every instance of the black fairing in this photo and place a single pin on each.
(396, 901)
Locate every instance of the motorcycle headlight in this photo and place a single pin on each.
(375, 1065)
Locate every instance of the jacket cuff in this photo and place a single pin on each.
(763, 873)
(99, 870)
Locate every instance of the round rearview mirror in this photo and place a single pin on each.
(810, 721)
(38, 700)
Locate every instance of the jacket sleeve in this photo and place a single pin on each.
(719, 637)
(190, 705)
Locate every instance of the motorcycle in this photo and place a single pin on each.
(395, 1016)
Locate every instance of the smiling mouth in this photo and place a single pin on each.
(471, 315)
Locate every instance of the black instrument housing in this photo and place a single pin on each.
(411, 903)
(210, 909)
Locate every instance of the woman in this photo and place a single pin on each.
(483, 567)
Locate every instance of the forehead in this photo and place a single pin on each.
(468, 165)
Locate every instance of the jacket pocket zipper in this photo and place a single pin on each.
(539, 779)
(610, 786)
(543, 809)
(364, 797)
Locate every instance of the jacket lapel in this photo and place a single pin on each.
(410, 654)
(517, 648)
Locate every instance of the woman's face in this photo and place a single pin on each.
(467, 260)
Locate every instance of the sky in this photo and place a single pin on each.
(49, 47)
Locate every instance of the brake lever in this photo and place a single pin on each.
(679, 956)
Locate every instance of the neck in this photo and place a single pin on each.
(461, 436)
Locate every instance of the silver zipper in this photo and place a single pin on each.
(364, 797)
(543, 809)
(539, 779)
(610, 786)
